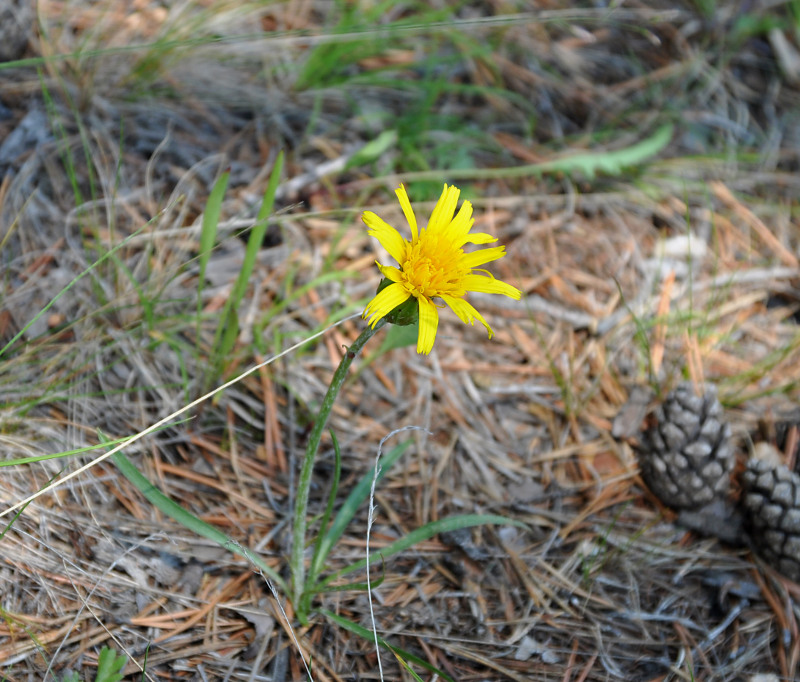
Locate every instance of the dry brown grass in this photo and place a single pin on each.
(604, 585)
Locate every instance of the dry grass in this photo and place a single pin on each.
(604, 585)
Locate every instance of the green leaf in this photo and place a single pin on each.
(208, 232)
(425, 532)
(586, 163)
(360, 586)
(373, 150)
(611, 163)
(189, 520)
(256, 240)
(399, 337)
(354, 500)
(402, 655)
(109, 666)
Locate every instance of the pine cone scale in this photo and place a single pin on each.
(791, 522)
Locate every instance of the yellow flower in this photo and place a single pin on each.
(434, 265)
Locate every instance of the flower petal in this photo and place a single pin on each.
(390, 239)
(466, 312)
(384, 303)
(445, 208)
(390, 272)
(477, 238)
(476, 258)
(405, 204)
(428, 322)
(459, 227)
(489, 285)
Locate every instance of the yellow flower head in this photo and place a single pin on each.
(434, 265)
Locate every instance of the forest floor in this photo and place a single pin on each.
(640, 165)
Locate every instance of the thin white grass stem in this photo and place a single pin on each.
(370, 519)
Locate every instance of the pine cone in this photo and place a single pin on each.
(687, 457)
(772, 514)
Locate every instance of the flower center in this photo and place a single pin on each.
(432, 267)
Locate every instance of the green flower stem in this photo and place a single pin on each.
(297, 564)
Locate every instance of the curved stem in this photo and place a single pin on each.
(297, 564)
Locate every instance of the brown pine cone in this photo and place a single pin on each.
(772, 514)
(687, 456)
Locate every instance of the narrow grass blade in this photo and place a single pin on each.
(227, 329)
(208, 235)
(348, 510)
(425, 532)
(311, 578)
(256, 240)
(292, 295)
(329, 507)
(189, 520)
(56, 455)
(402, 655)
(13, 521)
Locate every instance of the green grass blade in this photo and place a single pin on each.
(401, 655)
(189, 520)
(256, 240)
(425, 532)
(229, 323)
(348, 510)
(14, 519)
(226, 334)
(311, 578)
(56, 455)
(328, 508)
(208, 235)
